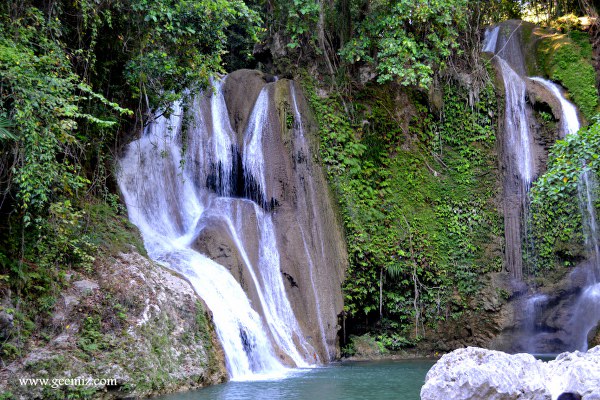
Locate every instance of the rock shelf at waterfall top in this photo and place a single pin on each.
(474, 373)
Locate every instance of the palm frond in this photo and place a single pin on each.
(5, 124)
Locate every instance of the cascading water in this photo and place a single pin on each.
(533, 307)
(539, 329)
(586, 312)
(587, 200)
(219, 183)
(517, 148)
(517, 123)
(587, 309)
(302, 150)
(569, 121)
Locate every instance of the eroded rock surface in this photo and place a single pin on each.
(133, 322)
(474, 373)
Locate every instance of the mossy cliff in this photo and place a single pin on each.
(132, 322)
(567, 59)
(417, 176)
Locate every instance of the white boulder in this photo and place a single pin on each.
(475, 373)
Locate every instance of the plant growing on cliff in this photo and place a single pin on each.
(416, 205)
(555, 211)
(407, 41)
(180, 44)
(568, 61)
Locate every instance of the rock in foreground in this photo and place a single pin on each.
(135, 327)
(475, 373)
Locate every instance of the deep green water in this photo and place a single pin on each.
(401, 380)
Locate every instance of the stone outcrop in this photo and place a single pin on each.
(478, 374)
(133, 322)
(307, 228)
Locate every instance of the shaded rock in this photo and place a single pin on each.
(241, 90)
(6, 324)
(475, 373)
(85, 286)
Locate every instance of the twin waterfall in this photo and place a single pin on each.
(523, 161)
(225, 192)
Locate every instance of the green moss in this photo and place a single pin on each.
(556, 219)
(566, 59)
(582, 39)
(110, 230)
(416, 195)
(49, 364)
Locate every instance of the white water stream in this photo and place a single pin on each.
(168, 200)
(503, 42)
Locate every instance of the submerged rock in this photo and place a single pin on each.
(475, 373)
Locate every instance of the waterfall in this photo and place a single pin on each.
(307, 212)
(569, 121)
(490, 40)
(218, 182)
(587, 308)
(517, 123)
(517, 149)
(254, 159)
(520, 169)
(533, 307)
(586, 313)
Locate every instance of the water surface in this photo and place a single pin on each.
(400, 380)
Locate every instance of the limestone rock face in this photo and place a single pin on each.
(310, 244)
(134, 323)
(474, 373)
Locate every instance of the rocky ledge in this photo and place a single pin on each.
(134, 326)
(474, 373)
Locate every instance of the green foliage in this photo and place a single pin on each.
(501, 10)
(181, 43)
(5, 126)
(91, 338)
(301, 23)
(567, 59)
(41, 95)
(69, 72)
(365, 345)
(65, 242)
(406, 41)
(555, 211)
(394, 341)
(54, 121)
(416, 207)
